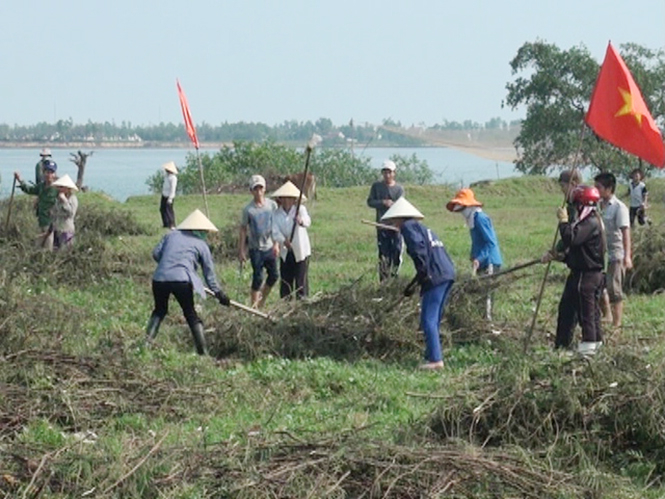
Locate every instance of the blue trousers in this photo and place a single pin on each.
(432, 303)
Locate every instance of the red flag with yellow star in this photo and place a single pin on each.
(619, 115)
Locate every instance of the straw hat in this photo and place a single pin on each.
(464, 197)
(402, 209)
(170, 167)
(65, 181)
(197, 221)
(288, 190)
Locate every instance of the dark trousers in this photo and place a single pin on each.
(580, 302)
(293, 277)
(168, 215)
(390, 253)
(183, 293)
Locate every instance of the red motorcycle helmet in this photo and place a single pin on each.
(586, 195)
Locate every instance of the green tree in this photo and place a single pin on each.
(555, 86)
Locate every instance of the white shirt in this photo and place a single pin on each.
(284, 224)
(169, 185)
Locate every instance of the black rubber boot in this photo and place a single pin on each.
(153, 327)
(199, 338)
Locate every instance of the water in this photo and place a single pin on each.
(122, 173)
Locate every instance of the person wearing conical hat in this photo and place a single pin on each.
(64, 212)
(382, 195)
(485, 252)
(258, 235)
(46, 196)
(435, 273)
(294, 253)
(168, 195)
(178, 255)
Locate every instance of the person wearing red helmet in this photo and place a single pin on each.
(584, 250)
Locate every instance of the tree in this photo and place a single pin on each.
(556, 91)
(80, 159)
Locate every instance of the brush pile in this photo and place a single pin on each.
(648, 274)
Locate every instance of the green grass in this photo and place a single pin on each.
(130, 395)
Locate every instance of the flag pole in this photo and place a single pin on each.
(529, 334)
(203, 182)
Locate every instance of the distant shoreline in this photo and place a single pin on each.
(494, 153)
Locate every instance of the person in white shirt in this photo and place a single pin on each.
(617, 235)
(168, 195)
(295, 248)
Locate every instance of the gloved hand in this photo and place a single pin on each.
(222, 298)
(410, 289)
(562, 215)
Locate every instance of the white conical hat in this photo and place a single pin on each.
(170, 167)
(402, 209)
(65, 181)
(288, 190)
(197, 221)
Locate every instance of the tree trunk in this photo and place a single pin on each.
(80, 159)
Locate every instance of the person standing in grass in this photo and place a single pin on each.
(637, 190)
(178, 256)
(44, 157)
(64, 212)
(382, 195)
(46, 196)
(584, 249)
(168, 195)
(435, 273)
(294, 253)
(258, 234)
(485, 251)
(617, 232)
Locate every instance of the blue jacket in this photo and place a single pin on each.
(484, 244)
(178, 256)
(433, 265)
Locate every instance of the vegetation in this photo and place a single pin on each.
(230, 168)
(389, 133)
(326, 401)
(556, 90)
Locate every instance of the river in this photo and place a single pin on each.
(122, 173)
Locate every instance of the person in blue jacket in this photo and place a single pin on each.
(178, 256)
(485, 251)
(435, 273)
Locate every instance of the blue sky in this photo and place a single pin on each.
(420, 61)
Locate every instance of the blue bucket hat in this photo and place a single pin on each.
(50, 165)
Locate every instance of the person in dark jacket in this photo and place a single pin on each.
(584, 249)
(435, 273)
(381, 197)
(46, 197)
(178, 256)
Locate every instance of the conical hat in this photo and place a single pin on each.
(170, 167)
(402, 209)
(197, 221)
(65, 181)
(288, 190)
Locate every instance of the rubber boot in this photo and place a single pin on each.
(199, 338)
(153, 327)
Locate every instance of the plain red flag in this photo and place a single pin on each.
(619, 115)
(189, 124)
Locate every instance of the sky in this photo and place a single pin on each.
(271, 61)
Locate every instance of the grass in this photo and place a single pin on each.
(75, 361)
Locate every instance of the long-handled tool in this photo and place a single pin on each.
(511, 269)
(240, 306)
(9, 206)
(380, 226)
(308, 153)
